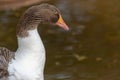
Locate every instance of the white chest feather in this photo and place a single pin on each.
(29, 58)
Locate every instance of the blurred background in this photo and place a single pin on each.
(89, 51)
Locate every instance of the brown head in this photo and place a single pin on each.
(40, 14)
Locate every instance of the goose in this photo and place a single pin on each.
(27, 62)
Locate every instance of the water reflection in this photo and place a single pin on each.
(89, 51)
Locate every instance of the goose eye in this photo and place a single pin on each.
(55, 18)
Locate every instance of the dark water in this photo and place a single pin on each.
(89, 51)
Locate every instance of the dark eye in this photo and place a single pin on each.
(55, 18)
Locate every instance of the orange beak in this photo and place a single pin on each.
(61, 23)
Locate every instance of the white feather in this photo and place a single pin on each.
(29, 58)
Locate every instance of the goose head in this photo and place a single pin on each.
(43, 14)
(40, 14)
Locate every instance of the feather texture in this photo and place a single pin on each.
(5, 57)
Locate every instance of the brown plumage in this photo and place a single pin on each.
(35, 15)
(5, 57)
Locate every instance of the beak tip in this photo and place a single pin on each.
(63, 25)
(67, 29)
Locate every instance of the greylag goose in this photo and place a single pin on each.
(27, 63)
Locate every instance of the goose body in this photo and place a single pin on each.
(27, 63)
